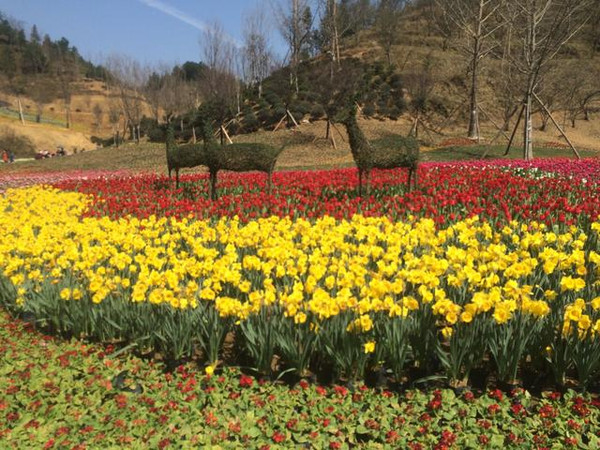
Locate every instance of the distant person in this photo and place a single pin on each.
(11, 156)
(4, 156)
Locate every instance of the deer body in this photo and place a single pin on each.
(238, 157)
(384, 154)
(180, 156)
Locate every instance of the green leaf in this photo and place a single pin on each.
(254, 432)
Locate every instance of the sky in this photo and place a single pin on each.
(151, 31)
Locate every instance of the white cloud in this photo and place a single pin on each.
(183, 17)
(176, 13)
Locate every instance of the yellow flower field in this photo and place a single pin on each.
(367, 270)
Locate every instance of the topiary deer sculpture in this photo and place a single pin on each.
(387, 153)
(180, 156)
(238, 157)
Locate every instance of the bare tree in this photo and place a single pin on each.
(152, 91)
(168, 92)
(330, 24)
(506, 82)
(114, 116)
(42, 91)
(579, 88)
(592, 32)
(129, 78)
(387, 23)
(550, 89)
(257, 55)
(220, 84)
(477, 21)
(541, 28)
(421, 81)
(295, 24)
(97, 111)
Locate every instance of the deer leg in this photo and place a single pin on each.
(213, 185)
(360, 175)
(269, 182)
(176, 178)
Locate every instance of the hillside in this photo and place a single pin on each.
(426, 77)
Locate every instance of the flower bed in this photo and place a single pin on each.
(56, 395)
(442, 296)
(567, 193)
(14, 180)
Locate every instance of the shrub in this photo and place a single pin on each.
(272, 98)
(264, 116)
(156, 134)
(317, 112)
(234, 128)
(369, 110)
(250, 122)
(394, 112)
(279, 112)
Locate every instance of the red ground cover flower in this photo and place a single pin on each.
(278, 437)
(246, 381)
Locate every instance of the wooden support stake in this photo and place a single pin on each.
(338, 132)
(225, 134)
(451, 115)
(414, 131)
(332, 139)
(512, 136)
(493, 123)
(291, 117)
(557, 125)
(21, 111)
(279, 123)
(360, 110)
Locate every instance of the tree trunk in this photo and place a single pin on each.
(528, 129)
(474, 113)
(473, 132)
(335, 40)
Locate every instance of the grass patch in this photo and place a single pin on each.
(471, 152)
